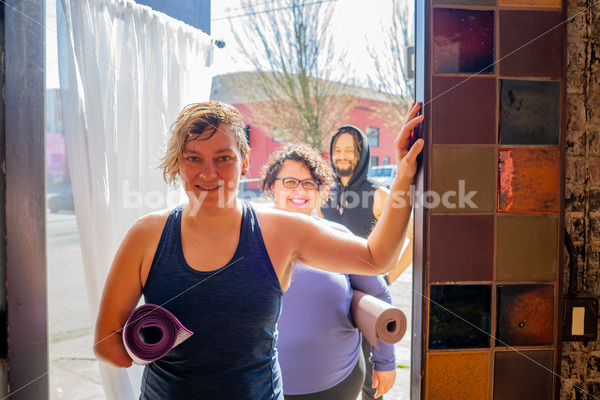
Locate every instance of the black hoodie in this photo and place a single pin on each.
(352, 205)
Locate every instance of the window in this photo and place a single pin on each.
(374, 161)
(386, 161)
(373, 135)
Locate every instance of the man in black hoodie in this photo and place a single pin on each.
(356, 203)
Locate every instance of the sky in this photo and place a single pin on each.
(356, 22)
(51, 47)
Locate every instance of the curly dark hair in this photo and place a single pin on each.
(319, 169)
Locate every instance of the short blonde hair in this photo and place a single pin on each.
(195, 120)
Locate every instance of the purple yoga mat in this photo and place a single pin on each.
(163, 331)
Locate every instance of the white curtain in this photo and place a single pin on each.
(125, 73)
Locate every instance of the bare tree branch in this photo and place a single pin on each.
(391, 67)
(298, 89)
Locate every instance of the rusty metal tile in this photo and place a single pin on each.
(525, 315)
(463, 41)
(451, 97)
(454, 375)
(523, 376)
(529, 180)
(467, 254)
(527, 248)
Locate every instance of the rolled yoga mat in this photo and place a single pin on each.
(151, 332)
(377, 319)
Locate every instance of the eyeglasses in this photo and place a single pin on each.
(292, 183)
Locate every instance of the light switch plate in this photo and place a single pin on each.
(580, 319)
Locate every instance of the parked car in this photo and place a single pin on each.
(382, 174)
(61, 200)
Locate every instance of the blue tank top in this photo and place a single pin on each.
(233, 312)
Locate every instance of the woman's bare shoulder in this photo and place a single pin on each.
(150, 225)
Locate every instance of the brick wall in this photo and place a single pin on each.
(581, 362)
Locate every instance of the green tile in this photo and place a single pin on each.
(527, 248)
(463, 180)
(532, 3)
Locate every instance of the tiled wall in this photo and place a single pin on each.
(493, 215)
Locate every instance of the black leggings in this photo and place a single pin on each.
(348, 389)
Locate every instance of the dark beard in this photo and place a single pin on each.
(344, 172)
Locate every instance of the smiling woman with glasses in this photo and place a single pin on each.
(319, 346)
(297, 178)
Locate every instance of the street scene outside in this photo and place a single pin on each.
(73, 371)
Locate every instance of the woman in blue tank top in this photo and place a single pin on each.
(221, 266)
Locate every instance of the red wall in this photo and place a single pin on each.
(361, 116)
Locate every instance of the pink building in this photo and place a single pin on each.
(367, 115)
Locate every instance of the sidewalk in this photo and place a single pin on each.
(74, 373)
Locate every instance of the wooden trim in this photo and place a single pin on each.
(420, 288)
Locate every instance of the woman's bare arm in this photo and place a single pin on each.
(123, 289)
(406, 257)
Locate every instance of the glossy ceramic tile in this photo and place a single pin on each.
(529, 180)
(529, 112)
(464, 110)
(525, 315)
(466, 2)
(455, 375)
(463, 40)
(531, 43)
(450, 307)
(524, 376)
(465, 177)
(465, 255)
(527, 248)
(532, 3)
